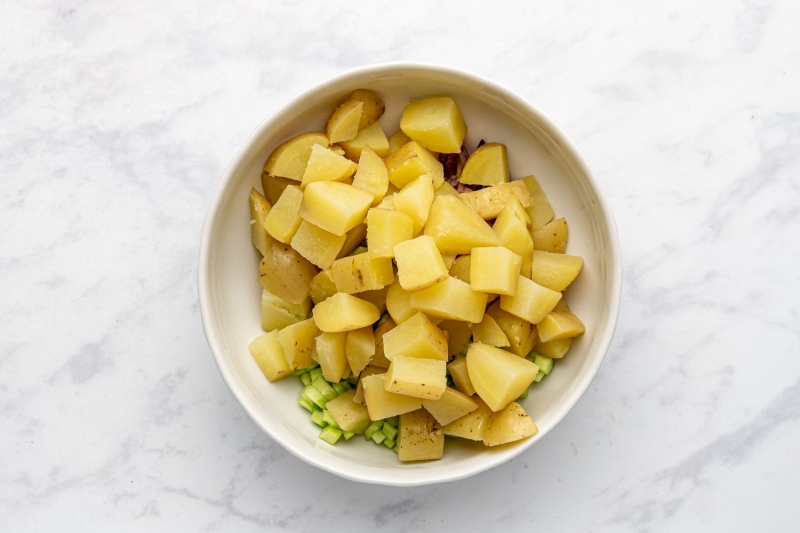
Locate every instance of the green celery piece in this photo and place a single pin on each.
(378, 437)
(358, 250)
(389, 431)
(315, 373)
(353, 381)
(348, 435)
(316, 417)
(393, 421)
(465, 348)
(539, 376)
(301, 371)
(306, 379)
(545, 364)
(328, 418)
(307, 404)
(372, 428)
(330, 434)
(523, 395)
(341, 387)
(324, 387)
(313, 395)
(389, 443)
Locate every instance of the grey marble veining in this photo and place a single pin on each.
(116, 120)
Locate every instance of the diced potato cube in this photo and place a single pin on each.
(289, 160)
(398, 303)
(509, 425)
(336, 149)
(532, 301)
(335, 207)
(488, 332)
(555, 349)
(397, 141)
(459, 334)
(353, 239)
(557, 326)
(343, 124)
(360, 348)
(298, 342)
(499, 377)
(368, 371)
(541, 212)
(385, 229)
(552, 237)
(456, 228)
(274, 186)
(373, 106)
(420, 437)
(419, 263)
(451, 298)
(283, 219)
(285, 273)
(461, 268)
(269, 357)
(362, 272)
(449, 260)
(277, 313)
(512, 227)
(388, 201)
(343, 312)
(259, 208)
(325, 165)
(376, 298)
(371, 175)
(322, 287)
(488, 165)
(410, 162)
(471, 426)
(460, 375)
(520, 333)
(555, 271)
(435, 123)
(445, 189)
(371, 137)
(382, 403)
(494, 269)
(349, 415)
(331, 355)
(379, 359)
(415, 200)
(413, 376)
(317, 245)
(416, 337)
(451, 406)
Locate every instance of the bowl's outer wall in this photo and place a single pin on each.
(230, 295)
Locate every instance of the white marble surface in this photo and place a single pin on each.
(116, 120)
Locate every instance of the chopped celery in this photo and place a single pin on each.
(316, 417)
(301, 371)
(523, 395)
(306, 379)
(313, 395)
(372, 428)
(315, 373)
(384, 317)
(465, 348)
(389, 443)
(389, 431)
(324, 387)
(539, 376)
(307, 404)
(328, 418)
(393, 421)
(348, 435)
(378, 437)
(353, 381)
(330, 434)
(357, 251)
(341, 387)
(545, 364)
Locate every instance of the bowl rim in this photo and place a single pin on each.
(204, 281)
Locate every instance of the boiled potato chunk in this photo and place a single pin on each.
(343, 124)
(488, 332)
(362, 272)
(371, 137)
(490, 201)
(509, 425)
(398, 303)
(451, 298)
(298, 342)
(385, 229)
(499, 377)
(420, 437)
(333, 206)
(285, 273)
(555, 349)
(456, 228)
(459, 334)
(512, 226)
(283, 219)
(461, 268)
(317, 245)
(379, 359)
(449, 260)
(331, 355)
(494, 269)
(359, 348)
(488, 165)
(376, 298)
(371, 175)
(460, 374)
(277, 313)
(259, 208)
(410, 162)
(343, 312)
(269, 357)
(413, 376)
(520, 333)
(415, 200)
(289, 160)
(353, 238)
(451, 406)
(471, 426)
(325, 165)
(373, 107)
(541, 212)
(397, 141)
(445, 189)
(370, 370)
(382, 403)
(349, 415)
(419, 263)
(555, 271)
(435, 123)
(532, 301)
(416, 337)
(322, 287)
(274, 186)
(558, 326)
(552, 237)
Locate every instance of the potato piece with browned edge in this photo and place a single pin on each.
(552, 237)
(420, 437)
(285, 273)
(348, 415)
(359, 348)
(459, 334)
(487, 165)
(419, 263)
(541, 212)
(385, 229)
(398, 303)
(289, 160)
(513, 228)
(471, 426)
(277, 313)
(371, 137)
(499, 377)
(298, 342)
(343, 312)
(317, 245)
(532, 301)
(269, 357)
(283, 219)
(494, 269)
(343, 124)
(416, 337)
(417, 377)
(555, 271)
(371, 175)
(520, 333)
(456, 228)
(509, 425)
(259, 208)
(450, 406)
(333, 206)
(383, 404)
(331, 355)
(558, 326)
(410, 162)
(490, 201)
(326, 165)
(362, 272)
(436, 123)
(460, 374)
(451, 298)
(488, 332)
(373, 106)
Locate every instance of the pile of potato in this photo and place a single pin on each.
(446, 276)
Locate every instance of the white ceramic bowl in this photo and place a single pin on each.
(230, 297)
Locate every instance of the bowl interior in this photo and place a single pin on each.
(230, 295)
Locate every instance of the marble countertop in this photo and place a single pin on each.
(117, 119)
